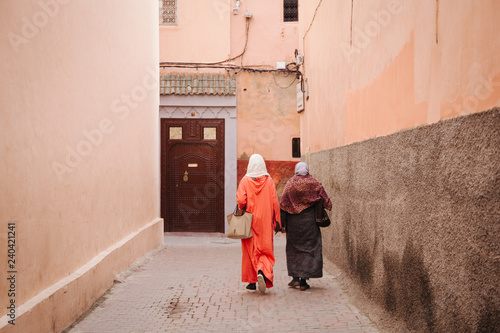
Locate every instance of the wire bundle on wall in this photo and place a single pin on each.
(291, 68)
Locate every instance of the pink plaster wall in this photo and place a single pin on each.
(403, 64)
(266, 103)
(267, 120)
(270, 39)
(201, 35)
(208, 31)
(79, 134)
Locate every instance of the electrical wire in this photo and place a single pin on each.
(314, 17)
(309, 28)
(281, 87)
(218, 62)
(235, 68)
(287, 73)
(246, 41)
(224, 64)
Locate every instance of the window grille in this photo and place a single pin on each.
(168, 12)
(290, 10)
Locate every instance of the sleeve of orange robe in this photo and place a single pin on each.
(241, 194)
(276, 208)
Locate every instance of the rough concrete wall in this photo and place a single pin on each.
(416, 221)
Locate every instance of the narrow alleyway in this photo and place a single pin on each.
(193, 285)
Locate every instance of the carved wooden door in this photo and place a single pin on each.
(192, 167)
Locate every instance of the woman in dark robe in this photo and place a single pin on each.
(304, 253)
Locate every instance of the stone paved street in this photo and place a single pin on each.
(193, 285)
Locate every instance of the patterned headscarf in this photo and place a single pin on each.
(256, 167)
(303, 191)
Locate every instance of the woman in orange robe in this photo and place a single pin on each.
(258, 193)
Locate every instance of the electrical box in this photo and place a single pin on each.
(299, 59)
(300, 98)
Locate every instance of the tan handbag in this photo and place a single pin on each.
(240, 226)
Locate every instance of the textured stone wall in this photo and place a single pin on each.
(416, 220)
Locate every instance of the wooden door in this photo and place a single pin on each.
(192, 167)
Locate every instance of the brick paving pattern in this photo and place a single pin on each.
(193, 285)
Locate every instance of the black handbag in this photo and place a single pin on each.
(321, 216)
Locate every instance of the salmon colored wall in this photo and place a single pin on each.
(208, 31)
(266, 103)
(79, 134)
(403, 64)
(270, 39)
(267, 120)
(201, 35)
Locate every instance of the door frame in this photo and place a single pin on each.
(213, 106)
(167, 169)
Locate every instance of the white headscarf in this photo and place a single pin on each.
(256, 167)
(301, 169)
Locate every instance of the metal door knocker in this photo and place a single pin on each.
(185, 178)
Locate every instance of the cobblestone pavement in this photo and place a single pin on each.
(194, 285)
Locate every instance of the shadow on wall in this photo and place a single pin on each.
(415, 221)
(489, 319)
(359, 257)
(407, 288)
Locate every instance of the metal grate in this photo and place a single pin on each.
(168, 12)
(290, 10)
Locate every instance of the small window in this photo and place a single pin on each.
(290, 10)
(209, 133)
(296, 147)
(168, 12)
(175, 133)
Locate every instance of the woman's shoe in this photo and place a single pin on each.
(251, 286)
(294, 283)
(261, 282)
(304, 285)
